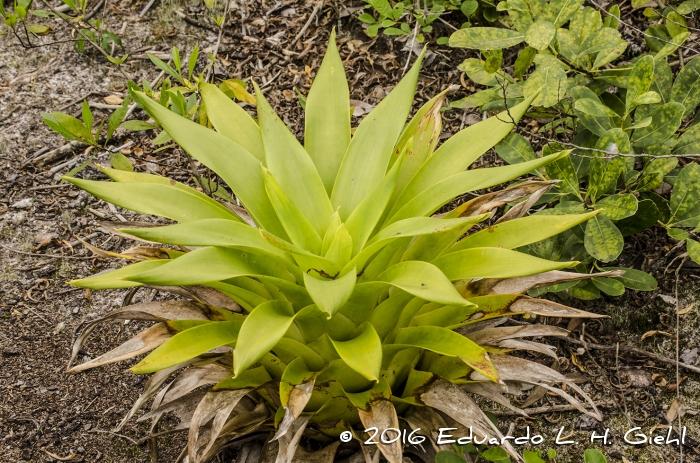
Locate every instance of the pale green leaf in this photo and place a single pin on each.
(362, 353)
(521, 232)
(260, 332)
(115, 279)
(231, 121)
(665, 120)
(494, 263)
(617, 207)
(368, 155)
(327, 119)
(235, 165)
(446, 342)
(189, 344)
(640, 79)
(293, 169)
(330, 295)
(423, 280)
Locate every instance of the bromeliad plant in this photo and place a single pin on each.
(334, 299)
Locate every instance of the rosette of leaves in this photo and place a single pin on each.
(333, 299)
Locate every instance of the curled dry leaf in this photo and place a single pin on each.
(547, 308)
(289, 442)
(143, 342)
(520, 209)
(455, 403)
(113, 99)
(491, 335)
(492, 391)
(325, 455)
(487, 202)
(218, 405)
(522, 284)
(687, 309)
(298, 398)
(382, 415)
(429, 422)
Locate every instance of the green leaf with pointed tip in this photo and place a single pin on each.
(640, 79)
(233, 163)
(363, 353)
(139, 177)
(366, 215)
(689, 142)
(594, 108)
(423, 280)
(521, 232)
(114, 279)
(646, 217)
(609, 286)
(417, 226)
(686, 87)
(189, 344)
(305, 259)
(206, 232)
(327, 119)
(370, 149)
(685, 196)
(494, 263)
(617, 207)
(231, 121)
(329, 236)
(293, 169)
(514, 149)
(386, 315)
(211, 264)
(442, 192)
(290, 349)
(340, 250)
(563, 169)
(603, 173)
(647, 98)
(260, 332)
(151, 198)
(485, 38)
(446, 342)
(523, 62)
(593, 456)
(297, 226)
(461, 150)
(331, 295)
(635, 279)
(608, 55)
(603, 239)
(665, 120)
(540, 34)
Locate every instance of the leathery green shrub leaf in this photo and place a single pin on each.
(330, 295)
(635, 279)
(514, 149)
(447, 342)
(260, 332)
(327, 121)
(693, 248)
(685, 196)
(665, 120)
(485, 38)
(423, 280)
(494, 263)
(640, 80)
(362, 353)
(602, 239)
(540, 34)
(686, 87)
(617, 207)
(189, 344)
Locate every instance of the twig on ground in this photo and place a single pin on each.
(95, 10)
(632, 350)
(146, 8)
(313, 14)
(549, 409)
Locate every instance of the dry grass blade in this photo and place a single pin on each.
(487, 202)
(520, 344)
(492, 391)
(427, 419)
(298, 398)
(549, 309)
(491, 335)
(289, 442)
